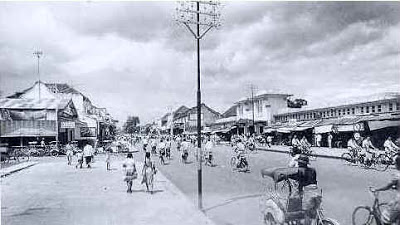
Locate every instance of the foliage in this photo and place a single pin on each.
(296, 103)
(131, 125)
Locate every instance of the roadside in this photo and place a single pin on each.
(15, 167)
(92, 196)
(334, 153)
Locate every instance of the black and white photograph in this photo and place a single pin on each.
(200, 112)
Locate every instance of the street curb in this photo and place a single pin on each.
(286, 152)
(4, 174)
(178, 192)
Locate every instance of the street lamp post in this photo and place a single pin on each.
(38, 54)
(204, 15)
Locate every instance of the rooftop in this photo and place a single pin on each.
(12, 103)
(345, 102)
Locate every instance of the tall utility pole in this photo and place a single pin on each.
(38, 54)
(204, 16)
(252, 105)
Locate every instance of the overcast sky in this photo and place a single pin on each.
(133, 59)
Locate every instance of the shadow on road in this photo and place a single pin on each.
(231, 200)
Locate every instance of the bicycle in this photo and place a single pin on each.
(239, 163)
(273, 208)
(380, 162)
(365, 215)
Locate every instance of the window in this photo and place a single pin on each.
(259, 107)
(367, 109)
(331, 112)
(362, 109)
(348, 111)
(390, 107)
(379, 108)
(397, 106)
(373, 109)
(353, 111)
(339, 112)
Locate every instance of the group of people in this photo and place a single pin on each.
(364, 148)
(86, 155)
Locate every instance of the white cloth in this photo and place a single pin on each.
(88, 150)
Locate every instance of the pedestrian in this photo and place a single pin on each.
(88, 154)
(79, 156)
(209, 154)
(269, 141)
(330, 138)
(319, 139)
(148, 172)
(130, 171)
(42, 143)
(108, 159)
(69, 152)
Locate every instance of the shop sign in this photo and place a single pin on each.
(68, 125)
(358, 127)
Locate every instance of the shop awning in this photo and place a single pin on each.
(323, 129)
(31, 132)
(284, 130)
(269, 130)
(376, 125)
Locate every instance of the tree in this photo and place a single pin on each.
(131, 125)
(296, 103)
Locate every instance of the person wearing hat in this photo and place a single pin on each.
(390, 147)
(308, 189)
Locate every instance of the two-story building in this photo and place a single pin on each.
(95, 123)
(259, 110)
(377, 115)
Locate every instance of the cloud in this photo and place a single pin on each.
(133, 58)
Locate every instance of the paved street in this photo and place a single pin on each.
(233, 198)
(52, 192)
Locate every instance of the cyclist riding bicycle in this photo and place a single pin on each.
(240, 154)
(390, 147)
(296, 143)
(353, 145)
(304, 144)
(369, 149)
(391, 214)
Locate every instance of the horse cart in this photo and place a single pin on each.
(281, 203)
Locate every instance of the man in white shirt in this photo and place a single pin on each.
(390, 147)
(208, 147)
(88, 154)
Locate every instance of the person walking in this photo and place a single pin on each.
(108, 159)
(319, 140)
(79, 156)
(88, 154)
(330, 138)
(269, 141)
(209, 154)
(130, 171)
(69, 152)
(148, 172)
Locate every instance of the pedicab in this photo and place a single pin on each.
(282, 205)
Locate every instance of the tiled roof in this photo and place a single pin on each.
(12, 103)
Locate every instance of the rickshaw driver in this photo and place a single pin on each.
(308, 189)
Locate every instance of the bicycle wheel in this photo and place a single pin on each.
(382, 163)
(347, 158)
(269, 219)
(362, 215)
(284, 188)
(327, 221)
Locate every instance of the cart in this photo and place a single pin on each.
(281, 204)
